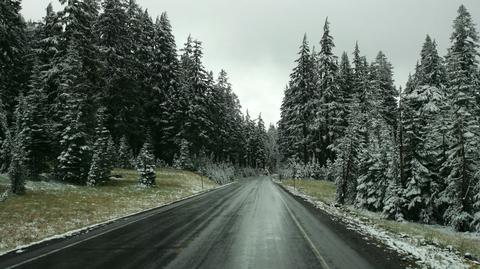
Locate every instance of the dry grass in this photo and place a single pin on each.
(51, 208)
(463, 242)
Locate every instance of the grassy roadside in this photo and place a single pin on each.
(324, 191)
(51, 208)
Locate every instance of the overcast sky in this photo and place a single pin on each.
(256, 41)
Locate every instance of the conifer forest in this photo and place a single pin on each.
(93, 86)
(411, 153)
(99, 86)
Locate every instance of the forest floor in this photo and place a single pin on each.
(50, 208)
(434, 246)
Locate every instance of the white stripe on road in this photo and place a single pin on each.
(305, 235)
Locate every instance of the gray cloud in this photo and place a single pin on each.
(256, 41)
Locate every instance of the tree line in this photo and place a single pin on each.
(410, 153)
(98, 84)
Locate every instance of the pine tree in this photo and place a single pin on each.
(347, 151)
(35, 129)
(5, 141)
(196, 124)
(298, 107)
(74, 160)
(260, 136)
(382, 76)
(13, 50)
(462, 160)
(272, 149)
(346, 81)
(125, 155)
(166, 85)
(100, 167)
(17, 162)
(423, 101)
(146, 166)
(118, 31)
(330, 102)
(378, 157)
(183, 160)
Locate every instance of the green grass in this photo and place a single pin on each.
(50, 208)
(431, 234)
(321, 190)
(324, 191)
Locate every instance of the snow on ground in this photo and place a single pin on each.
(53, 209)
(21, 248)
(428, 255)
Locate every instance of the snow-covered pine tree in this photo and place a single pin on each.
(13, 46)
(112, 152)
(328, 120)
(183, 160)
(346, 82)
(74, 160)
(100, 167)
(5, 141)
(16, 170)
(377, 157)
(424, 97)
(193, 102)
(347, 151)
(74, 157)
(272, 149)
(298, 108)
(260, 137)
(394, 202)
(125, 155)
(146, 166)
(462, 156)
(166, 71)
(382, 75)
(118, 31)
(35, 129)
(78, 18)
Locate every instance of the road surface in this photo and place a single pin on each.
(250, 224)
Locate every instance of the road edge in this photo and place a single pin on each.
(425, 254)
(89, 228)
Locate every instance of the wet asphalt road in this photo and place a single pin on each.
(250, 224)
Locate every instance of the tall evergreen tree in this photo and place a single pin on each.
(329, 107)
(196, 123)
(146, 166)
(74, 158)
(35, 129)
(13, 50)
(166, 71)
(101, 160)
(462, 160)
(382, 76)
(125, 154)
(16, 170)
(424, 96)
(298, 108)
(5, 140)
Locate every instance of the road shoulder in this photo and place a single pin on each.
(425, 255)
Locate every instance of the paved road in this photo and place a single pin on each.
(250, 224)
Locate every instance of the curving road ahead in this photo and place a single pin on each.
(250, 224)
